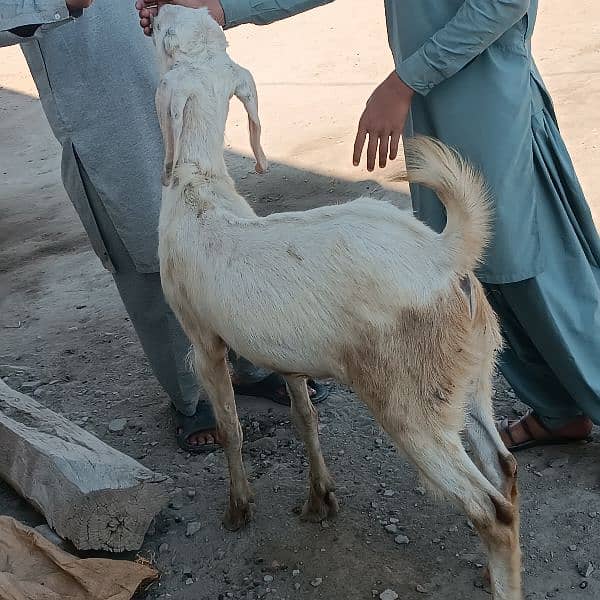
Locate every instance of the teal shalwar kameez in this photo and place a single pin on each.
(478, 89)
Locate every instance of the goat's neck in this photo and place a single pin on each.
(203, 191)
(202, 143)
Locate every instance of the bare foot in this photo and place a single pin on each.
(196, 433)
(201, 438)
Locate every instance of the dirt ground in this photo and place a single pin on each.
(63, 326)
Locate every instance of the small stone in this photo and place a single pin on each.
(117, 425)
(401, 539)
(268, 578)
(389, 493)
(191, 493)
(453, 529)
(192, 528)
(295, 572)
(265, 444)
(572, 548)
(559, 462)
(30, 386)
(585, 569)
(388, 595)
(316, 582)
(394, 520)
(421, 589)
(391, 528)
(189, 581)
(583, 585)
(420, 490)
(378, 442)
(593, 515)
(520, 409)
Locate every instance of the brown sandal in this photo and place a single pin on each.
(505, 426)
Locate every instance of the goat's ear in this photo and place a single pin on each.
(170, 107)
(245, 90)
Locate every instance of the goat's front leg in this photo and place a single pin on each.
(321, 502)
(211, 365)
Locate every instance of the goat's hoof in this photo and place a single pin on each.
(319, 508)
(237, 516)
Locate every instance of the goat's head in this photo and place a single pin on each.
(191, 36)
(179, 31)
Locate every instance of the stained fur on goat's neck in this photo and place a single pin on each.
(204, 190)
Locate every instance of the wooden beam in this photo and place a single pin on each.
(90, 493)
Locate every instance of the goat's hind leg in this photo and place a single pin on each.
(491, 455)
(442, 460)
(211, 365)
(321, 502)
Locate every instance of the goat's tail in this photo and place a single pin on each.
(463, 192)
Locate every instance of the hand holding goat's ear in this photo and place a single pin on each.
(149, 8)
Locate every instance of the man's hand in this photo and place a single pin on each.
(383, 121)
(77, 5)
(148, 8)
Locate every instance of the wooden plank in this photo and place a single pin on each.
(90, 493)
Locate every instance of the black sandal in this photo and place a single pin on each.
(273, 388)
(203, 420)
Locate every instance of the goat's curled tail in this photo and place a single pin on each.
(463, 192)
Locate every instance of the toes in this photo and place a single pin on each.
(203, 438)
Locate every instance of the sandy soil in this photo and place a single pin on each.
(62, 323)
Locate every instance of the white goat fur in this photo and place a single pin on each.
(361, 292)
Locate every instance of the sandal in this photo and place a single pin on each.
(550, 438)
(202, 420)
(273, 388)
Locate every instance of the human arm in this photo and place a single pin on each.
(476, 25)
(230, 13)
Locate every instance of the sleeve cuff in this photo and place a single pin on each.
(52, 13)
(237, 12)
(417, 73)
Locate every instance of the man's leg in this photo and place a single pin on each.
(549, 360)
(159, 332)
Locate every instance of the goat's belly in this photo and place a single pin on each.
(281, 350)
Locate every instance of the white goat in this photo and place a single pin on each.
(361, 292)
